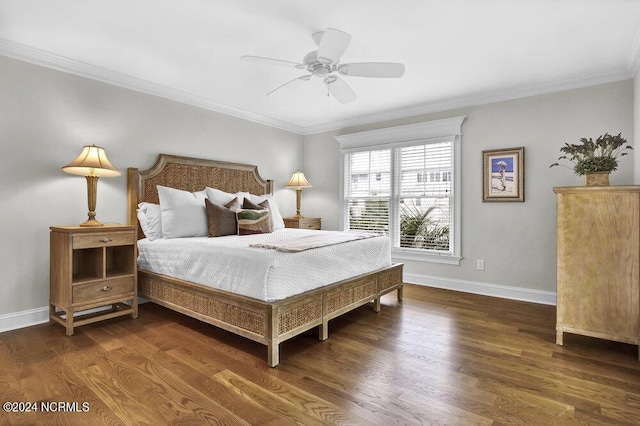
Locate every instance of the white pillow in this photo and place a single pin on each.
(218, 197)
(222, 198)
(183, 213)
(150, 219)
(276, 218)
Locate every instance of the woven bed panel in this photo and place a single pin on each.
(195, 178)
(300, 315)
(389, 279)
(242, 318)
(339, 300)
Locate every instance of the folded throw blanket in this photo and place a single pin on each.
(314, 241)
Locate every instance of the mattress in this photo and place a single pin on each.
(230, 264)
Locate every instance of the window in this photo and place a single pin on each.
(406, 187)
(368, 205)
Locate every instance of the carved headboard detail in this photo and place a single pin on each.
(191, 174)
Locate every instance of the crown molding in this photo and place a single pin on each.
(633, 61)
(474, 100)
(47, 59)
(71, 66)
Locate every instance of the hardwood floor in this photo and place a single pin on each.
(438, 357)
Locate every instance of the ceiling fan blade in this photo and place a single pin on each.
(339, 89)
(332, 45)
(271, 61)
(302, 77)
(372, 69)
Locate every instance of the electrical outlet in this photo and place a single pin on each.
(480, 265)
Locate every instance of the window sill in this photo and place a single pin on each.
(425, 257)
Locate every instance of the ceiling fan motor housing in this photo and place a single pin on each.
(314, 66)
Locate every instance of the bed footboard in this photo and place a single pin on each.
(271, 323)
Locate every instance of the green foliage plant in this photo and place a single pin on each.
(591, 156)
(419, 230)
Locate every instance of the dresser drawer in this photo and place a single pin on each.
(107, 289)
(106, 239)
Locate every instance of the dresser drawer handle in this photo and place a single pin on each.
(105, 240)
(105, 288)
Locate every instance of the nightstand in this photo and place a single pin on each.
(302, 223)
(92, 267)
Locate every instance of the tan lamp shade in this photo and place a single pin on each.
(298, 181)
(91, 163)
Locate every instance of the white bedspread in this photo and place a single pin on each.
(228, 263)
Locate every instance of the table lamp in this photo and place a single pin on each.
(91, 163)
(298, 181)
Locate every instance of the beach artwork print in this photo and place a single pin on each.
(503, 175)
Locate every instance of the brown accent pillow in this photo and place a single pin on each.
(248, 204)
(222, 219)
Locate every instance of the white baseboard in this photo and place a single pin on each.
(24, 319)
(37, 316)
(486, 289)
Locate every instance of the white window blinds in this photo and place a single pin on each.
(425, 204)
(368, 189)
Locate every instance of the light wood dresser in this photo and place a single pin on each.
(302, 222)
(598, 291)
(92, 267)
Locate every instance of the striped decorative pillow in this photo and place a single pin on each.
(253, 221)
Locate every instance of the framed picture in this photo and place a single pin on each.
(503, 174)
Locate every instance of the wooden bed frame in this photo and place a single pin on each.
(269, 323)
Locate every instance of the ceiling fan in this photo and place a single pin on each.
(325, 63)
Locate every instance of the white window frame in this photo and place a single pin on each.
(412, 134)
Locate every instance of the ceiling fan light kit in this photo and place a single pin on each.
(325, 63)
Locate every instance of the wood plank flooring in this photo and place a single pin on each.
(438, 357)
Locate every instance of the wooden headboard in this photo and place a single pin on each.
(190, 174)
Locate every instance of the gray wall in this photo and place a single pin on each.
(47, 116)
(516, 240)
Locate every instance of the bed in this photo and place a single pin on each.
(264, 321)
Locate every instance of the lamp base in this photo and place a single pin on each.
(298, 216)
(92, 191)
(91, 222)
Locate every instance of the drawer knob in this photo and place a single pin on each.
(106, 288)
(105, 240)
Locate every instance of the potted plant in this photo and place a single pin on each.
(595, 159)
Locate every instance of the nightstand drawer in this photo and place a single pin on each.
(302, 222)
(311, 224)
(106, 289)
(106, 239)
